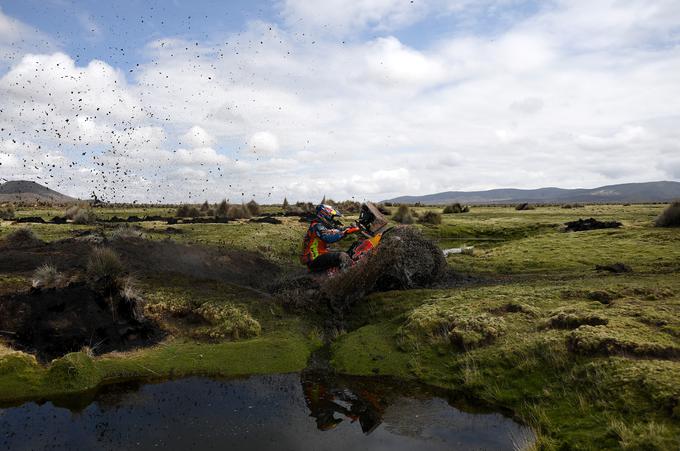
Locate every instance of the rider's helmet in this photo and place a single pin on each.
(326, 214)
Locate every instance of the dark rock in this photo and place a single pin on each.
(617, 268)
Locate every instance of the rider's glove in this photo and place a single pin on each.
(349, 230)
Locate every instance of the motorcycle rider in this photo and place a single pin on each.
(324, 230)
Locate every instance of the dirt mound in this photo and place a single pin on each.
(53, 322)
(582, 225)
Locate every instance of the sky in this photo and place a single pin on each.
(186, 101)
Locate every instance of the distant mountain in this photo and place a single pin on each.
(627, 192)
(26, 191)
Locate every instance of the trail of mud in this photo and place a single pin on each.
(145, 257)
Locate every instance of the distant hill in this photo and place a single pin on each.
(26, 191)
(627, 192)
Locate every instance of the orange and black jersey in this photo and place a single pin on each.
(317, 239)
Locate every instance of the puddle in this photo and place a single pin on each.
(282, 412)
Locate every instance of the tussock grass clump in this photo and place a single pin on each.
(641, 436)
(22, 237)
(670, 216)
(459, 325)
(239, 212)
(227, 321)
(46, 276)
(84, 216)
(403, 215)
(571, 318)
(125, 232)
(631, 338)
(253, 208)
(104, 268)
(524, 206)
(455, 208)
(7, 211)
(431, 217)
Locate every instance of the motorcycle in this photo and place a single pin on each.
(372, 226)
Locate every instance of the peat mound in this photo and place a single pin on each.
(53, 322)
(582, 225)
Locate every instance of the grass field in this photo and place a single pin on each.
(589, 358)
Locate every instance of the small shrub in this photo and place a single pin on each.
(182, 211)
(124, 232)
(431, 217)
(238, 212)
(524, 206)
(222, 209)
(104, 267)
(456, 208)
(7, 211)
(227, 321)
(403, 215)
(568, 206)
(188, 211)
(670, 216)
(22, 237)
(253, 208)
(459, 325)
(46, 276)
(84, 216)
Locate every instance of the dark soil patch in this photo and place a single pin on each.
(582, 225)
(266, 220)
(30, 219)
(54, 322)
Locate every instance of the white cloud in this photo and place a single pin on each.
(197, 137)
(264, 142)
(265, 110)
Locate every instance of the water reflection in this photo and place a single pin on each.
(315, 410)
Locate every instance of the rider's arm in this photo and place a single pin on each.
(327, 234)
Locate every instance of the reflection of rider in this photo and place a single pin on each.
(322, 231)
(324, 402)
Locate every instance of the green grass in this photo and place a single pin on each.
(589, 359)
(573, 396)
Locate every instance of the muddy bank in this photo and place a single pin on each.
(142, 256)
(52, 322)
